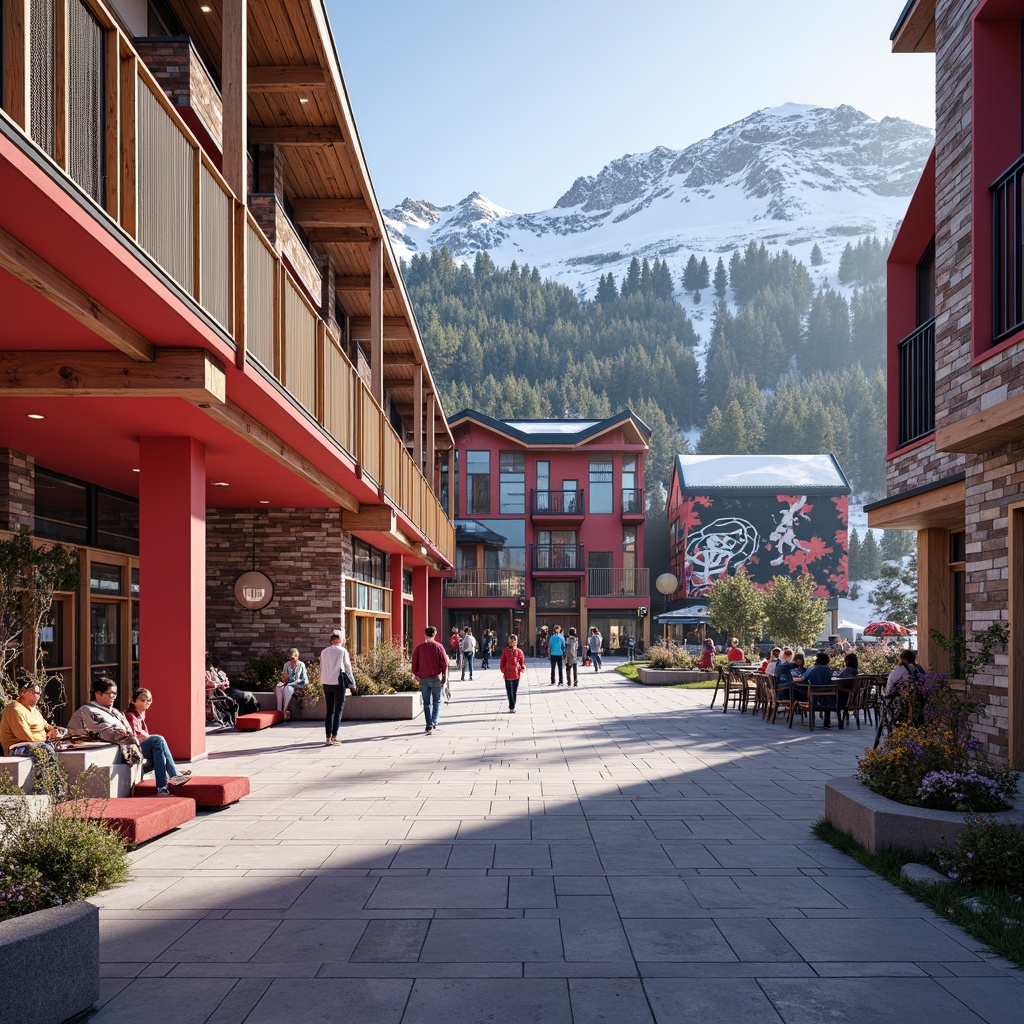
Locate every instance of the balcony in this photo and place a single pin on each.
(1007, 261)
(509, 583)
(561, 505)
(633, 505)
(557, 559)
(916, 359)
(122, 142)
(619, 583)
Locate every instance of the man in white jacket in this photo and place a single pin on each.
(468, 647)
(335, 672)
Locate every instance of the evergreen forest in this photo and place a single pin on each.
(789, 369)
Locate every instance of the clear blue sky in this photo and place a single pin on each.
(515, 100)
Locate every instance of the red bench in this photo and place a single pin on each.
(137, 820)
(205, 790)
(258, 720)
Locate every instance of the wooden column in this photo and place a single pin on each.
(234, 53)
(452, 510)
(934, 600)
(417, 408)
(431, 453)
(377, 320)
(61, 64)
(16, 63)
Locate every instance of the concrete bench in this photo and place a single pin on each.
(258, 720)
(204, 790)
(136, 819)
(19, 771)
(307, 713)
(111, 776)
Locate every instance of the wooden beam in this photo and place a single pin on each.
(296, 135)
(396, 328)
(260, 437)
(126, 141)
(189, 373)
(21, 262)
(333, 213)
(999, 424)
(402, 371)
(296, 78)
(16, 90)
(378, 518)
(233, 72)
(941, 507)
(417, 411)
(360, 284)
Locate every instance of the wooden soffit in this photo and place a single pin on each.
(1000, 424)
(915, 31)
(942, 507)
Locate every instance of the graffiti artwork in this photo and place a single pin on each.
(764, 534)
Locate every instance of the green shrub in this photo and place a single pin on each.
(383, 669)
(987, 854)
(669, 655)
(264, 673)
(877, 659)
(57, 855)
(312, 693)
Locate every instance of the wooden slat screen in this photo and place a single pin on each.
(215, 237)
(300, 347)
(261, 272)
(338, 391)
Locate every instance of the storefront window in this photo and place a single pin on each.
(104, 630)
(61, 508)
(105, 579)
(117, 522)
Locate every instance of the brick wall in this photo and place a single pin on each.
(304, 552)
(17, 490)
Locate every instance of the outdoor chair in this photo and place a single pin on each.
(806, 699)
(773, 702)
(737, 690)
(720, 682)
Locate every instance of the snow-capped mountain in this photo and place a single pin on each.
(789, 176)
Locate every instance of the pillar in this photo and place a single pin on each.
(934, 607)
(433, 611)
(376, 344)
(421, 606)
(172, 595)
(397, 604)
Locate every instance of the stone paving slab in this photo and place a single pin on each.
(611, 854)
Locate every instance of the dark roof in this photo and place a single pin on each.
(564, 433)
(902, 18)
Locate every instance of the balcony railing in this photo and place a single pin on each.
(618, 582)
(1007, 253)
(916, 354)
(556, 503)
(153, 178)
(486, 583)
(633, 501)
(557, 557)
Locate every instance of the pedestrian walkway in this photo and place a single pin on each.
(610, 854)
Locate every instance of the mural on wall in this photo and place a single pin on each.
(764, 535)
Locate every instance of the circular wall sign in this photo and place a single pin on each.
(254, 590)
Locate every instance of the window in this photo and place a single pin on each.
(80, 513)
(478, 483)
(543, 486)
(926, 285)
(600, 486)
(117, 522)
(443, 496)
(632, 496)
(511, 483)
(570, 496)
(599, 577)
(555, 594)
(556, 549)
(368, 564)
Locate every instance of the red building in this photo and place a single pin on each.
(956, 350)
(549, 522)
(208, 360)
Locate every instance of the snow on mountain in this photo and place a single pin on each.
(787, 176)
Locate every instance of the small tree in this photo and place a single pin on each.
(816, 257)
(737, 608)
(29, 577)
(895, 596)
(793, 615)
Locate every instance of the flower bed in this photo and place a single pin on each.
(672, 676)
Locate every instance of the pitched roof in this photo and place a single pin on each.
(555, 433)
(729, 473)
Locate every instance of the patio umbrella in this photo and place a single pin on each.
(885, 629)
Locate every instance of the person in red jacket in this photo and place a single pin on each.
(513, 665)
(430, 667)
(735, 652)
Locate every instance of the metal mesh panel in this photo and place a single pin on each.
(85, 100)
(41, 83)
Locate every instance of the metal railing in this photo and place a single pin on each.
(557, 503)
(633, 501)
(486, 583)
(618, 582)
(556, 557)
(1007, 252)
(916, 358)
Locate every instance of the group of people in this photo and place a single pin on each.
(564, 652)
(463, 647)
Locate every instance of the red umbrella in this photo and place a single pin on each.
(885, 629)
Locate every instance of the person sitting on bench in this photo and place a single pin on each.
(154, 747)
(25, 733)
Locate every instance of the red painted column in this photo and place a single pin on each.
(420, 604)
(397, 572)
(433, 610)
(172, 588)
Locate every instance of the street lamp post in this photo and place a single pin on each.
(666, 584)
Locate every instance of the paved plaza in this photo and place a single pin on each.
(610, 853)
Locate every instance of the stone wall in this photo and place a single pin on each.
(17, 490)
(304, 552)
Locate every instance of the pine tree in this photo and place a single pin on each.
(896, 544)
(661, 281)
(853, 559)
(870, 557)
(631, 284)
(721, 279)
(645, 277)
(691, 274)
(607, 293)
(895, 595)
(704, 274)
(817, 259)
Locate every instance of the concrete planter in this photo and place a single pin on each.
(383, 706)
(52, 961)
(671, 676)
(877, 822)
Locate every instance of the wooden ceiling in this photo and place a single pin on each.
(298, 101)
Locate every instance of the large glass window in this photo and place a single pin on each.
(555, 593)
(117, 522)
(369, 564)
(511, 483)
(557, 549)
(61, 509)
(600, 485)
(478, 483)
(543, 486)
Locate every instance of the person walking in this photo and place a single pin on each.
(455, 646)
(468, 647)
(630, 646)
(572, 650)
(594, 644)
(335, 675)
(512, 665)
(556, 651)
(430, 667)
(486, 646)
